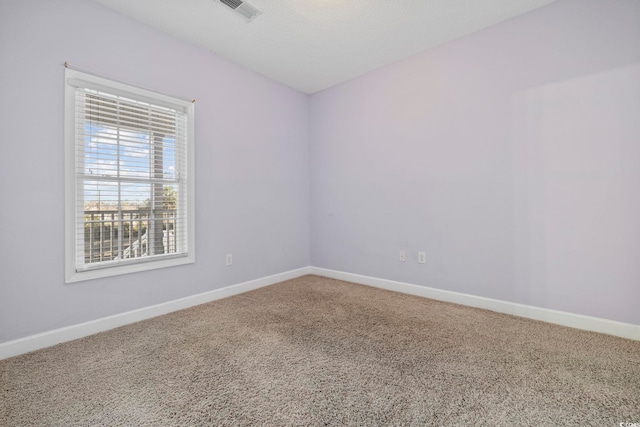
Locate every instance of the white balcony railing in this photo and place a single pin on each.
(112, 234)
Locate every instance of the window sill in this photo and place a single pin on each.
(79, 276)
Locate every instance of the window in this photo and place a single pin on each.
(129, 178)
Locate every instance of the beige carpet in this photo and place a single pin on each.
(316, 351)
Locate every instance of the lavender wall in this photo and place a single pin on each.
(511, 157)
(252, 195)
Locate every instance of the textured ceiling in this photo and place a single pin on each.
(311, 45)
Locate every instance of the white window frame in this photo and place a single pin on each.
(72, 273)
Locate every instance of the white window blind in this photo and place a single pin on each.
(131, 178)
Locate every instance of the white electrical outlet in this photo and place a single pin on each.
(422, 258)
(229, 259)
(403, 257)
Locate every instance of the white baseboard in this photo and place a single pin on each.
(578, 321)
(69, 333)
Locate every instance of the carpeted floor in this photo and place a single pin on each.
(317, 351)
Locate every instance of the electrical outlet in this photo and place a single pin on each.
(229, 259)
(422, 258)
(403, 257)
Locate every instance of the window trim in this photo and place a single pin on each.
(72, 77)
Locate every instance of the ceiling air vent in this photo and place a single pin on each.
(242, 8)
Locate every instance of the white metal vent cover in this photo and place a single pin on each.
(242, 8)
